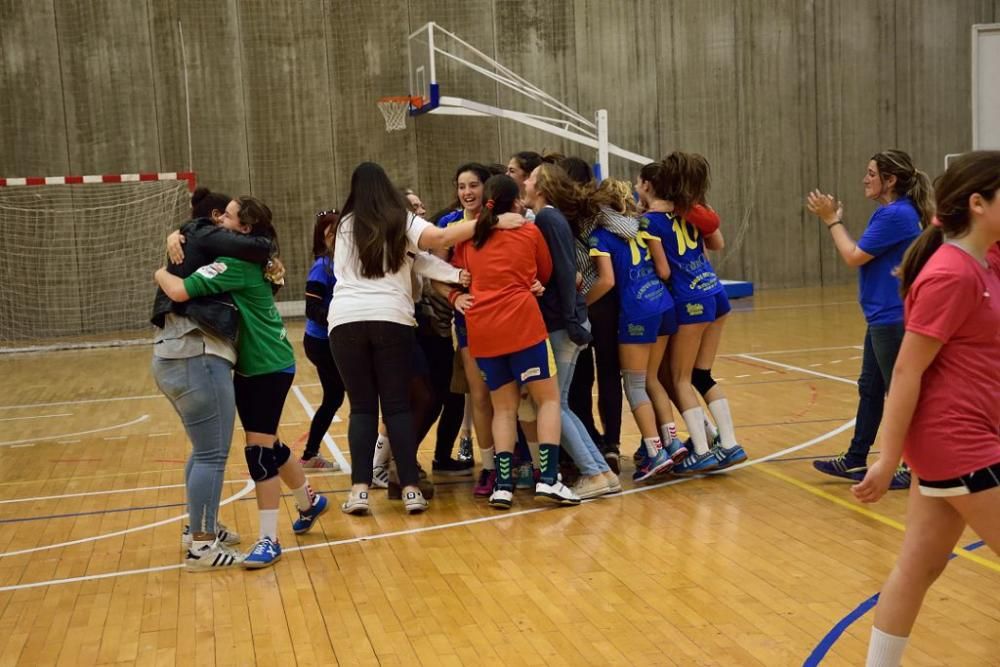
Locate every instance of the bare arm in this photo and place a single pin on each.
(605, 278)
(831, 213)
(656, 251)
(171, 285)
(714, 241)
(436, 238)
(915, 355)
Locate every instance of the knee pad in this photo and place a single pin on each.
(635, 388)
(701, 379)
(281, 453)
(260, 462)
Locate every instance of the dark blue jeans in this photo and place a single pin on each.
(881, 348)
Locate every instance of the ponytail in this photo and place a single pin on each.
(917, 255)
(922, 195)
(500, 193)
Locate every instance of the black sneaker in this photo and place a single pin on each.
(452, 468)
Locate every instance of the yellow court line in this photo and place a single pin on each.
(881, 518)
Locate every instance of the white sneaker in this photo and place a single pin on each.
(502, 499)
(380, 476)
(355, 504)
(558, 493)
(226, 536)
(591, 486)
(214, 556)
(414, 502)
(614, 483)
(319, 463)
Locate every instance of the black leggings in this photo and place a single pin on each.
(318, 352)
(375, 360)
(449, 407)
(603, 315)
(260, 400)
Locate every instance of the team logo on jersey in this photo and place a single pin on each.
(694, 309)
(636, 330)
(212, 270)
(532, 372)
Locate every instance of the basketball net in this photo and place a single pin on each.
(394, 110)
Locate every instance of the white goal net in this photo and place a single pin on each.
(77, 261)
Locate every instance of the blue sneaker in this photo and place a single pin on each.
(839, 466)
(308, 518)
(729, 457)
(266, 552)
(652, 465)
(677, 450)
(695, 464)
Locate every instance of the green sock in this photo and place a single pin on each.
(505, 470)
(548, 459)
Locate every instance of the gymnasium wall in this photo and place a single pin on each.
(780, 95)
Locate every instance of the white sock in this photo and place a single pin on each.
(269, 524)
(720, 411)
(653, 446)
(885, 650)
(710, 431)
(488, 455)
(535, 461)
(695, 420)
(303, 497)
(382, 451)
(668, 432)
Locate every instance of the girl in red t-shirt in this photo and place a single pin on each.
(943, 410)
(508, 338)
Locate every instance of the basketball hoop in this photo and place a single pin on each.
(395, 110)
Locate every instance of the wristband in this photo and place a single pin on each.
(834, 224)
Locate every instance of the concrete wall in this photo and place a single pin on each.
(780, 95)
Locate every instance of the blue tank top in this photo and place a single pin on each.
(691, 274)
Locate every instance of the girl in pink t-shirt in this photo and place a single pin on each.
(943, 410)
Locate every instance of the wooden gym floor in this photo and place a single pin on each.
(772, 564)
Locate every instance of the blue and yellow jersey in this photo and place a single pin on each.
(691, 274)
(641, 292)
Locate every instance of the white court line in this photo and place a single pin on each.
(794, 351)
(82, 401)
(61, 414)
(330, 444)
(108, 493)
(94, 538)
(798, 369)
(427, 529)
(70, 435)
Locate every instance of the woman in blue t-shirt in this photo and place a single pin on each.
(316, 341)
(905, 207)
(672, 190)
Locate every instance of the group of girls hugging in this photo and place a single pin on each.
(535, 272)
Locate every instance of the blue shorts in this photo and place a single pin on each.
(534, 363)
(461, 330)
(646, 330)
(705, 309)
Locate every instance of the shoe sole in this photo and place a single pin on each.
(666, 466)
(558, 500)
(692, 473)
(416, 510)
(500, 504)
(594, 494)
(679, 455)
(354, 511)
(253, 565)
(305, 530)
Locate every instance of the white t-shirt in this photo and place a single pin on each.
(360, 299)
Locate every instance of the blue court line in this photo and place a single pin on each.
(168, 506)
(840, 628)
